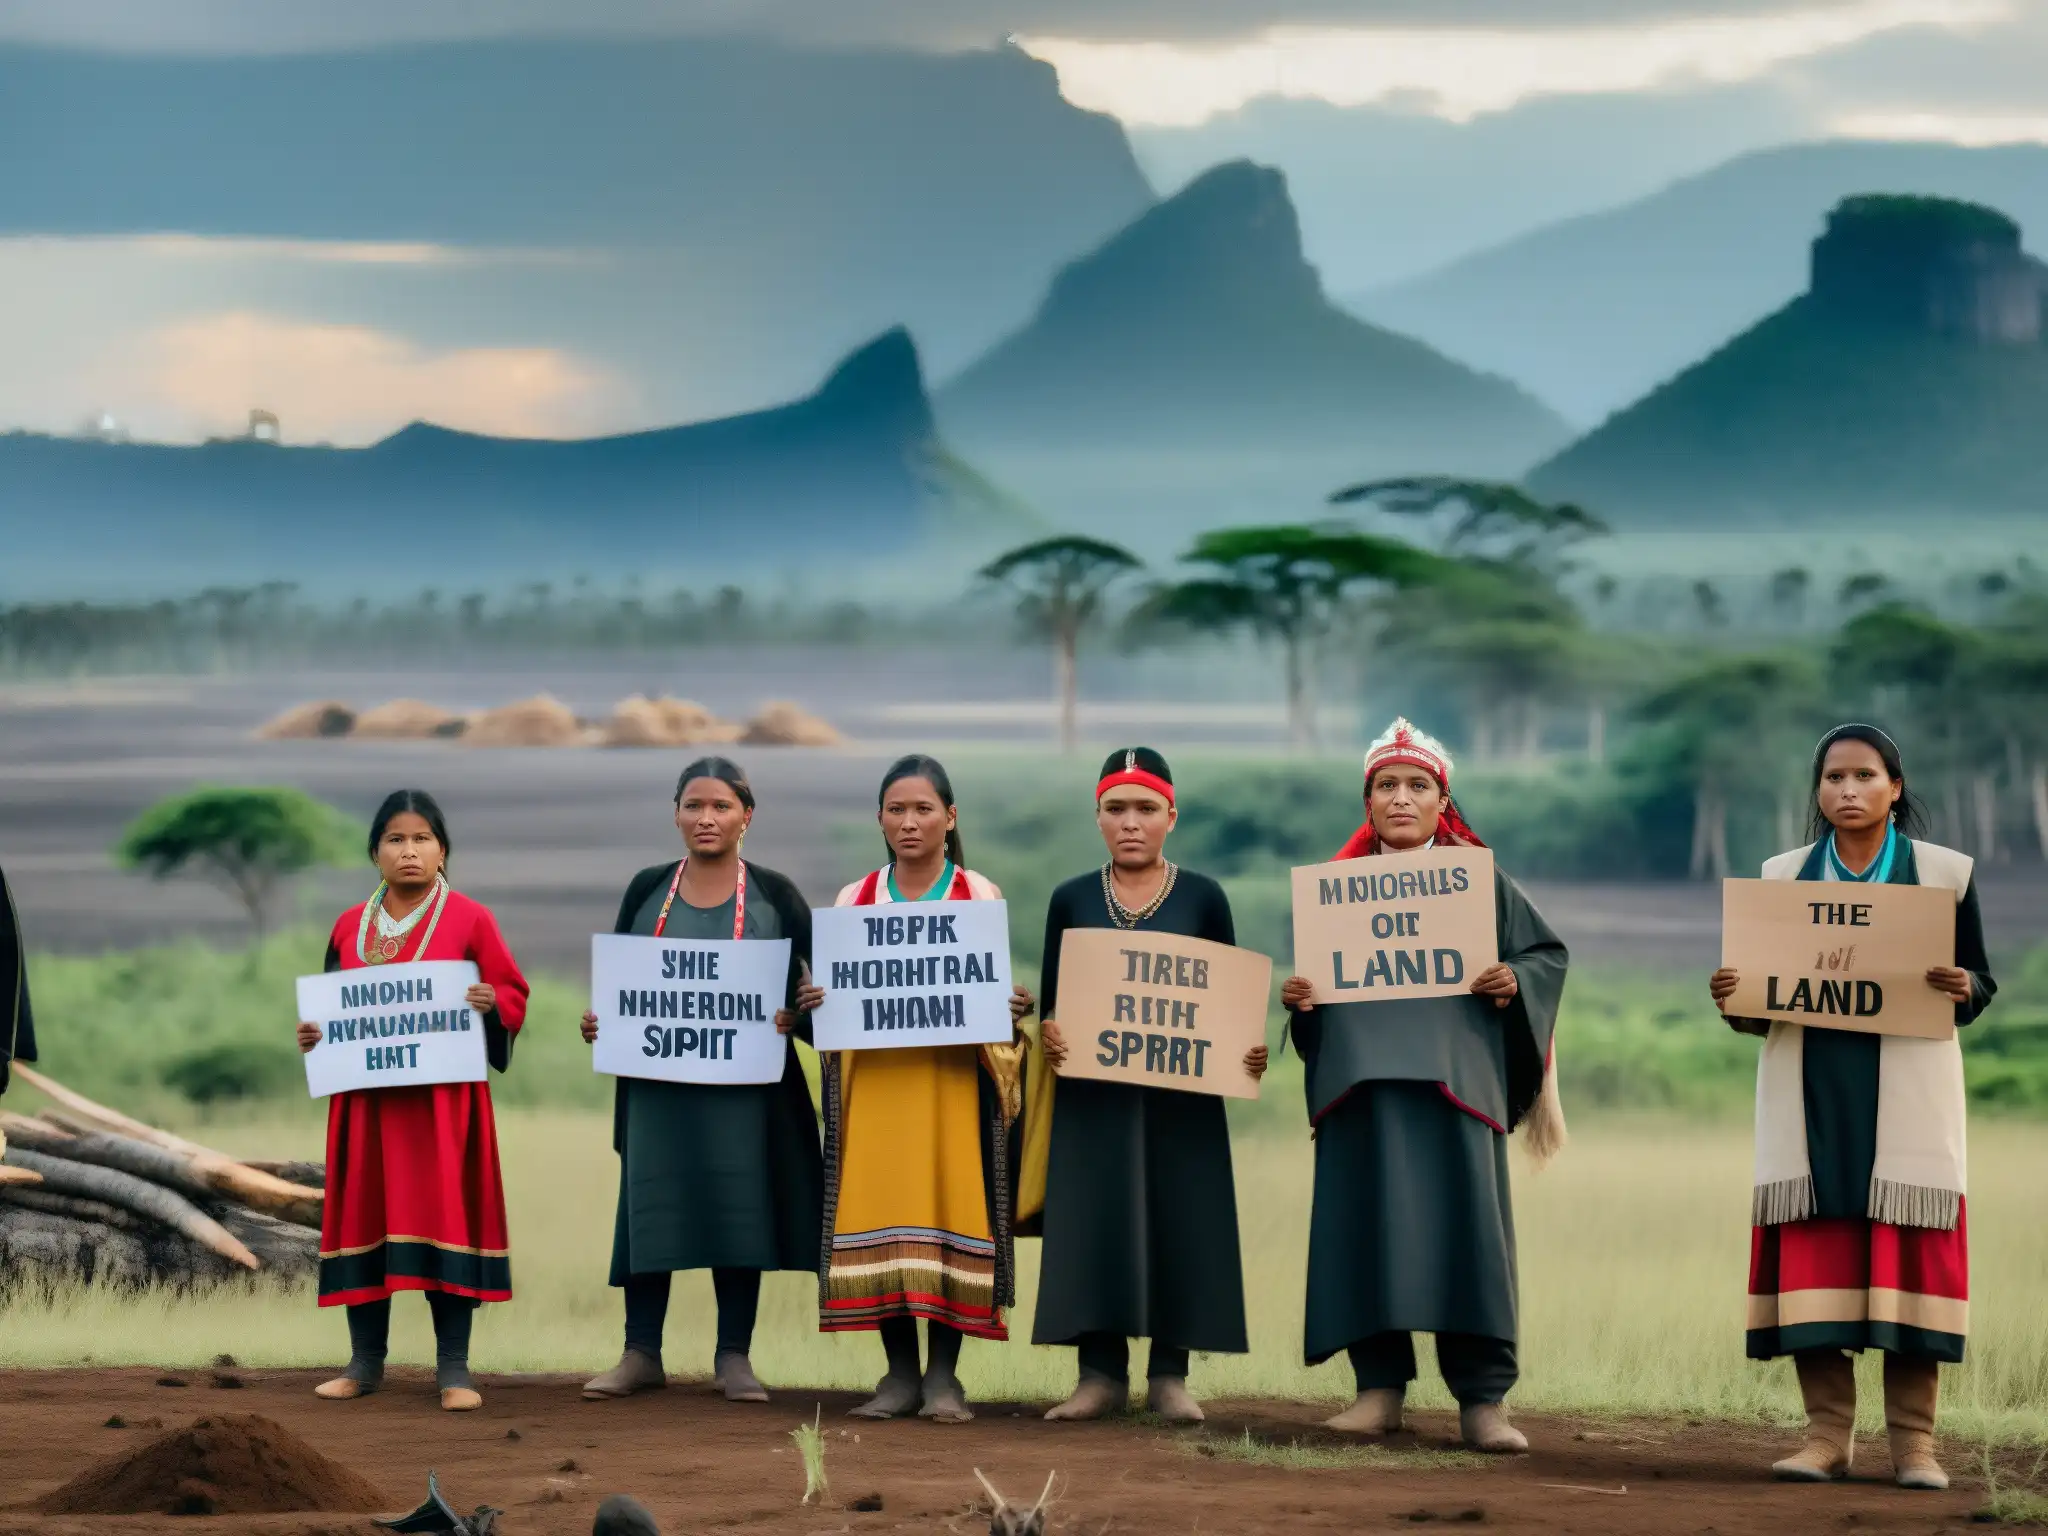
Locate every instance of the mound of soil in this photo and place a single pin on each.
(783, 724)
(406, 720)
(307, 722)
(536, 722)
(229, 1464)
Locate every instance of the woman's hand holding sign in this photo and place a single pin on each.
(1255, 1063)
(1498, 982)
(1297, 994)
(483, 997)
(1055, 1044)
(1951, 981)
(309, 1036)
(589, 1027)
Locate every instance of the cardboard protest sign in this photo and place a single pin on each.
(1839, 956)
(392, 1026)
(1396, 925)
(912, 973)
(688, 1010)
(1161, 1010)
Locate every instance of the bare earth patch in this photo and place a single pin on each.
(547, 1459)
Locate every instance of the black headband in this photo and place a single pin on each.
(1840, 731)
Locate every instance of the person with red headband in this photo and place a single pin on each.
(1412, 1103)
(1140, 1209)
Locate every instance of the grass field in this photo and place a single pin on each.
(1633, 1251)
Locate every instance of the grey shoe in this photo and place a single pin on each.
(734, 1374)
(635, 1372)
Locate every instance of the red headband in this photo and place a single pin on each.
(1137, 776)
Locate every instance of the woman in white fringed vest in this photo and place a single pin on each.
(1859, 1237)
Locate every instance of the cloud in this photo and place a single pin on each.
(336, 253)
(347, 383)
(1462, 72)
(1977, 129)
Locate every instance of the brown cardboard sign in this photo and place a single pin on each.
(1395, 925)
(1839, 956)
(1161, 1010)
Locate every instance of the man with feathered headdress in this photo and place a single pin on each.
(1413, 1102)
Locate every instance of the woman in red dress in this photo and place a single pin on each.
(415, 1200)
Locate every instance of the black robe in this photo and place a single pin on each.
(1140, 1220)
(719, 1175)
(17, 1022)
(1412, 1226)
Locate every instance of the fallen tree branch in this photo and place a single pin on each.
(197, 1175)
(13, 1177)
(135, 1194)
(75, 1206)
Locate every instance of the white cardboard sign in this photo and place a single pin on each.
(392, 1026)
(688, 1010)
(912, 973)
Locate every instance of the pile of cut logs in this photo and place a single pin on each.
(87, 1194)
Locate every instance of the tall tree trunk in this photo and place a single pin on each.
(1984, 798)
(1066, 670)
(2040, 798)
(1301, 725)
(1718, 850)
(1702, 822)
(1596, 732)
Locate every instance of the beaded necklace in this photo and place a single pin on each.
(391, 933)
(739, 900)
(1125, 917)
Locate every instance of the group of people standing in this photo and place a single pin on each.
(905, 1188)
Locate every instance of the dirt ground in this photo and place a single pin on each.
(547, 1458)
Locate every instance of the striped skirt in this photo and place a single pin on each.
(1858, 1284)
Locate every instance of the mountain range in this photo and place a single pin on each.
(1192, 363)
(1593, 312)
(1910, 378)
(852, 472)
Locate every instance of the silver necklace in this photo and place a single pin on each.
(1125, 917)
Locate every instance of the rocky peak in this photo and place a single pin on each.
(1931, 263)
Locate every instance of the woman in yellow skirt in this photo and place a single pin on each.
(920, 1143)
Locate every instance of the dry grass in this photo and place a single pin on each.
(1633, 1248)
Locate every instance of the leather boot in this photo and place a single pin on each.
(1827, 1381)
(635, 1372)
(1375, 1411)
(1910, 1389)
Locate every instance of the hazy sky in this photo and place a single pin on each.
(1973, 70)
(177, 336)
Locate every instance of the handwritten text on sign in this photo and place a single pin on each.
(1838, 955)
(912, 973)
(688, 1010)
(392, 1026)
(1161, 1010)
(1396, 925)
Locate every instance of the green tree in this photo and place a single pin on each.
(1290, 585)
(250, 840)
(1489, 520)
(1060, 584)
(1724, 731)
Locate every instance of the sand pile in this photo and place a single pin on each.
(540, 721)
(407, 720)
(782, 724)
(665, 722)
(229, 1464)
(306, 722)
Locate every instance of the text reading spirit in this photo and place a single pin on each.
(1166, 1055)
(708, 1007)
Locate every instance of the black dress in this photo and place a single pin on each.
(17, 1023)
(1412, 1227)
(1140, 1219)
(718, 1175)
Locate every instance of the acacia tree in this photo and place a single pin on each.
(1289, 584)
(1494, 521)
(1060, 585)
(250, 840)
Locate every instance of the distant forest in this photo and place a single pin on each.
(1646, 724)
